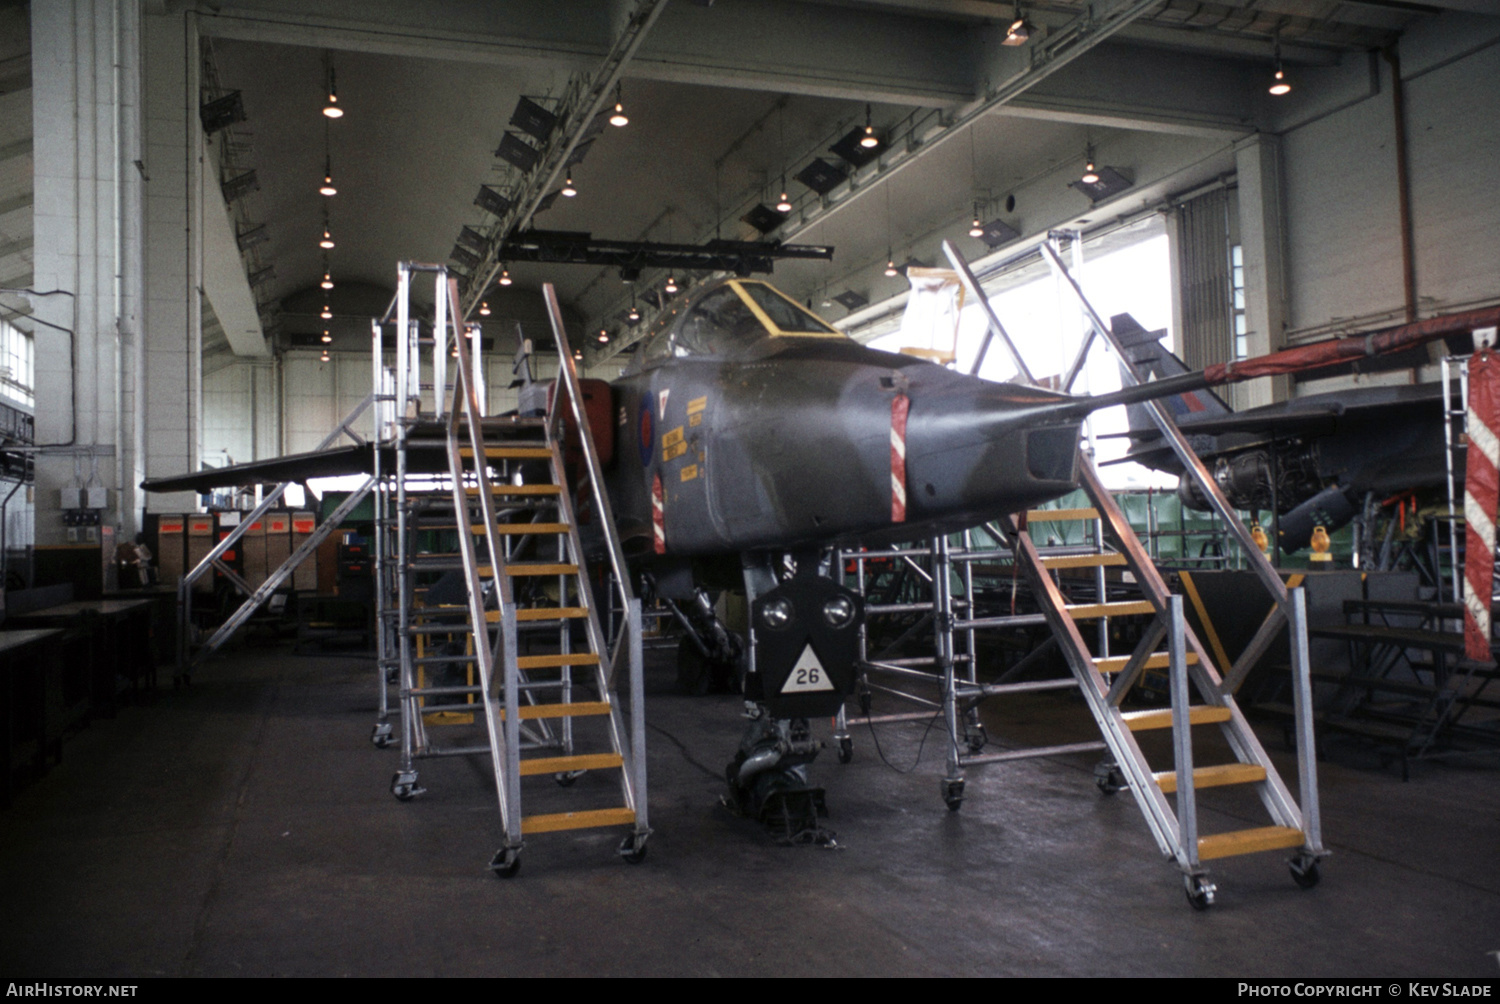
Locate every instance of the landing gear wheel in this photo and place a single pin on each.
(846, 750)
(567, 777)
(1107, 778)
(506, 862)
(1305, 871)
(953, 793)
(404, 785)
(381, 735)
(1200, 891)
(633, 848)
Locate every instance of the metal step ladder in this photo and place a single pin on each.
(1104, 679)
(470, 649)
(1199, 698)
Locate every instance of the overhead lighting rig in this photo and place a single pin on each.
(740, 257)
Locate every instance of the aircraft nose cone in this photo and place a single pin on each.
(976, 449)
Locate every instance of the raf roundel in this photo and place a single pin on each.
(647, 439)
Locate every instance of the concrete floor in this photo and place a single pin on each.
(245, 827)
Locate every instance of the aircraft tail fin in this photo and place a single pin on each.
(1153, 362)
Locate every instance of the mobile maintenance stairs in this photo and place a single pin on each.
(1201, 695)
(488, 619)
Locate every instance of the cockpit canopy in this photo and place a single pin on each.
(728, 320)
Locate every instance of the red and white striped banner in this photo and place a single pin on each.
(658, 514)
(900, 405)
(1481, 500)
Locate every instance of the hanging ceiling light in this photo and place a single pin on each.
(1019, 31)
(618, 117)
(634, 315)
(1090, 172)
(603, 336)
(326, 337)
(327, 314)
(327, 188)
(324, 356)
(890, 267)
(869, 140)
(484, 309)
(671, 286)
(1279, 84)
(331, 106)
(568, 188)
(976, 229)
(504, 276)
(327, 282)
(326, 242)
(785, 204)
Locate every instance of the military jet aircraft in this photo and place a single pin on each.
(749, 438)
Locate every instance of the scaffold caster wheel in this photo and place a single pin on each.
(567, 777)
(1200, 891)
(1305, 872)
(633, 848)
(404, 785)
(381, 736)
(953, 794)
(846, 750)
(506, 862)
(1107, 778)
(976, 737)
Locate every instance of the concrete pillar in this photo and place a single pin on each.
(86, 135)
(173, 250)
(1258, 166)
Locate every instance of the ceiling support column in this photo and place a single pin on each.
(1258, 166)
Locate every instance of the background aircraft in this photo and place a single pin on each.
(1312, 459)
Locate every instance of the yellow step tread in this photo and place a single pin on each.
(1235, 842)
(563, 764)
(1160, 660)
(509, 452)
(549, 613)
(577, 709)
(1214, 776)
(516, 490)
(1161, 718)
(1088, 611)
(517, 528)
(539, 614)
(539, 568)
(1056, 515)
(560, 659)
(1110, 560)
(555, 821)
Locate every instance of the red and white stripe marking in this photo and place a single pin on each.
(1481, 499)
(658, 514)
(900, 406)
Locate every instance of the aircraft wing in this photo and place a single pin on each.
(1310, 422)
(339, 460)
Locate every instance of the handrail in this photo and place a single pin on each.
(568, 372)
(185, 584)
(1191, 464)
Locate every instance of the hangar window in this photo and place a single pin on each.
(16, 364)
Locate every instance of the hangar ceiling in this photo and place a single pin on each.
(724, 98)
